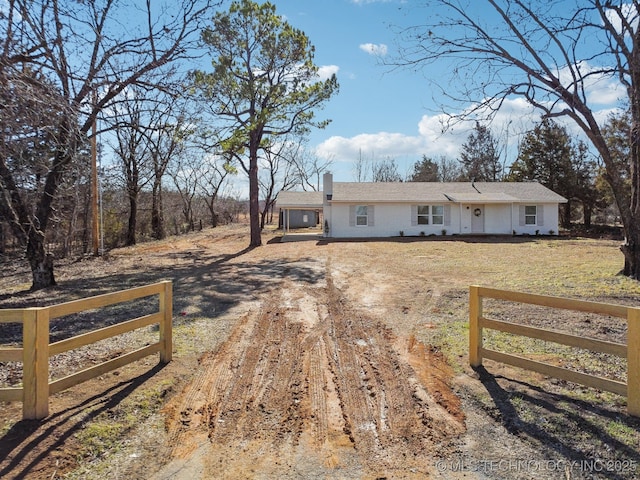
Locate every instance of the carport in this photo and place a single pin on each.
(299, 210)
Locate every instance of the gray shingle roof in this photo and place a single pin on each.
(427, 192)
(311, 200)
(480, 192)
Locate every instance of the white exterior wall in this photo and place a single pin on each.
(552, 221)
(389, 220)
(498, 219)
(392, 218)
(549, 221)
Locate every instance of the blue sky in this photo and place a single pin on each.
(377, 111)
(381, 112)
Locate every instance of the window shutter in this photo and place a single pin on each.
(414, 215)
(352, 215)
(540, 215)
(522, 220)
(447, 215)
(370, 215)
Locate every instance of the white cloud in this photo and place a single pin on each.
(325, 71)
(606, 92)
(379, 50)
(629, 13)
(379, 145)
(600, 89)
(602, 116)
(4, 10)
(436, 136)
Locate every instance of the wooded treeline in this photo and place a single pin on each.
(70, 234)
(547, 154)
(170, 136)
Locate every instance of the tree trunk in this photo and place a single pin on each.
(631, 256)
(157, 214)
(565, 217)
(133, 220)
(631, 214)
(41, 263)
(86, 229)
(254, 203)
(263, 218)
(587, 211)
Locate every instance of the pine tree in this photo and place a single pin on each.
(425, 170)
(547, 155)
(479, 156)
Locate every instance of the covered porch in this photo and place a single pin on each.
(301, 214)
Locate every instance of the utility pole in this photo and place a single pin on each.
(94, 183)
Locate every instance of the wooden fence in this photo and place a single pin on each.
(630, 351)
(36, 349)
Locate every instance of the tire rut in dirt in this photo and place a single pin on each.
(390, 419)
(308, 384)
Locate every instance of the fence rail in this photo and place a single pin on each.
(36, 349)
(630, 351)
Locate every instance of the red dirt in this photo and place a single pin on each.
(306, 384)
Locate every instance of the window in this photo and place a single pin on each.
(530, 215)
(437, 214)
(423, 214)
(430, 214)
(361, 216)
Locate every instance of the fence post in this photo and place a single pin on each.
(35, 381)
(166, 307)
(633, 361)
(475, 332)
(29, 332)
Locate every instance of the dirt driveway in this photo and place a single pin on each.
(308, 387)
(305, 360)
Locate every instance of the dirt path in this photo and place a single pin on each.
(306, 387)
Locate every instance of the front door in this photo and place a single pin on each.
(477, 218)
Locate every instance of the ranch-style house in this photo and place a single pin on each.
(379, 209)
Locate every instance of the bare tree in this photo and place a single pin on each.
(385, 171)
(131, 148)
(362, 168)
(549, 54)
(78, 50)
(186, 180)
(213, 178)
(170, 131)
(309, 168)
(278, 173)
